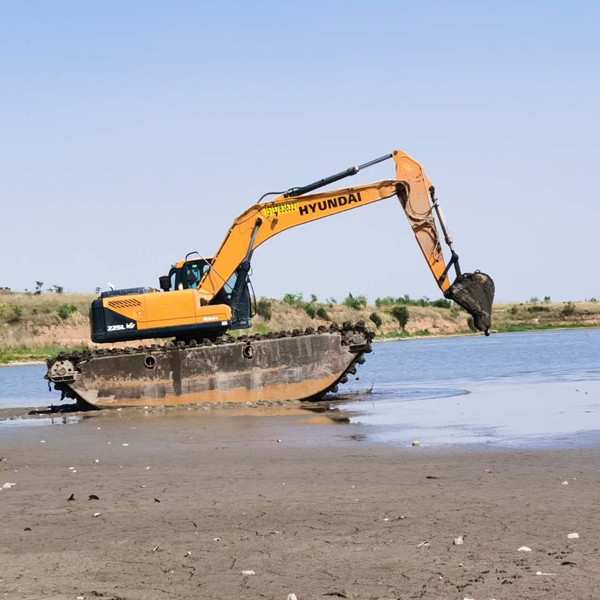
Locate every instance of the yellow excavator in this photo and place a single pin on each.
(204, 297)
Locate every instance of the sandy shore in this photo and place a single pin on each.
(189, 500)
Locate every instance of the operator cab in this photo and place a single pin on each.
(187, 275)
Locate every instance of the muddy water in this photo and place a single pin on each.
(513, 390)
(518, 390)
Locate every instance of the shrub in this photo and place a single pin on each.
(322, 313)
(534, 300)
(310, 310)
(547, 299)
(64, 310)
(568, 309)
(58, 289)
(38, 287)
(593, 300)
(513, 310)
(408, 301)
(355, 302)
(330, 302)
(537, 308)
(400, 313)
(441, 303)
(263, 308)
(387, 301)
(376, 319)
(292, 299)
(362, 300)
(11, 313)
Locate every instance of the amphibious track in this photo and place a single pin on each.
(295, 365)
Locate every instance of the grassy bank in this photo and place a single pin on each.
(33, 353)
(34, 327)
(524, 327)
(38, 326)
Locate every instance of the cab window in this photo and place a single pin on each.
(194, 271)
(231, 283)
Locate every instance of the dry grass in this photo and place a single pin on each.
(41, 309)
(526, 316)
(35, 326)
(426, 320)
(38, 325)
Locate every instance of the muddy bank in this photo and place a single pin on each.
(187, 501)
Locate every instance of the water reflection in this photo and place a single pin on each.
(517, 390)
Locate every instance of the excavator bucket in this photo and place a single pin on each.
(475, 293)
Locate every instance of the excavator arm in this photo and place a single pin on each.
(296, 207)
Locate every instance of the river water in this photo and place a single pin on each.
(512, 390)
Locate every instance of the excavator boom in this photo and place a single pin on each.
(293, 208)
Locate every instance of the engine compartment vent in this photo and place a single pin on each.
(124, 303)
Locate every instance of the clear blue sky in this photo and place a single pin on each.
(134, 132)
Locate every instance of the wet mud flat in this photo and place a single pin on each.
(188, 500)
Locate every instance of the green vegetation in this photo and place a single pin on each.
(394, 335)
(11, 312)
(264, 308)
(400, 313)
(441, 303)
(376, 319)
(406, 300)
(522, 327)
(537, 308)
(34, 325)
(65, 310)
(355, 302)
(45, 308)
(292, 299)
(322, 313)
(28, 353)
(310, 310)
(313, 308)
